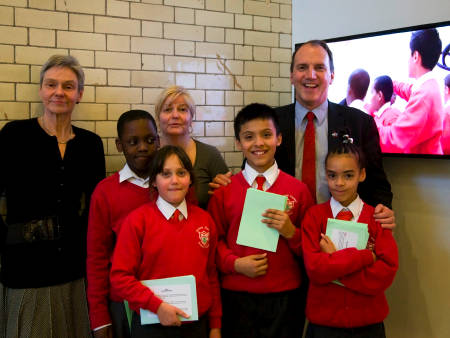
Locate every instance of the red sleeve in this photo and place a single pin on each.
(323, 268)
(215, 312)
(402, 89)
(100, 246)
(411, 122)
(126, 262)
(377, 277)
(225, 257)
(305, 202)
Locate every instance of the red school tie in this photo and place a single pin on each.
(176, 216)
(345, 215)
(309, 156)
(260, 181)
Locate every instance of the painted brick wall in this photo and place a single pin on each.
(228, 53)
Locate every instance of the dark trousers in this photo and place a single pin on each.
(119, 320)
(195, 329)
(369, 331)
(272, 315)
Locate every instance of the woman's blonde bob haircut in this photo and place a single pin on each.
(170, 94)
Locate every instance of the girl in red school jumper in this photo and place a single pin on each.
(358, 308)
(168, 238)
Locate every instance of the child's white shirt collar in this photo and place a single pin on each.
(382, 109)
(168, 209)
(422, 79)
(270, 175)
(126, 174)
(355, 207)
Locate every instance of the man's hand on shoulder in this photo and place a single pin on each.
(385, 216)
(218, 181)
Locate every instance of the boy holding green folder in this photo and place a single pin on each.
(259, 288)
(348, 277)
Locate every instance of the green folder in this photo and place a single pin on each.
(252, 232)
(346, 234)
(177, 291)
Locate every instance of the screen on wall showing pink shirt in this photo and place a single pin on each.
(413, 116)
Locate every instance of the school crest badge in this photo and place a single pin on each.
(203, 236)
(290, 204)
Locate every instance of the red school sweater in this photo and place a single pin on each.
(111, 202)
(283, 272)
(362, 301)
(151, 247)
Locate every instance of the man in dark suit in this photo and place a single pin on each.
(312, 72)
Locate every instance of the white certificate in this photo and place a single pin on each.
(344, 239)
(176, 291)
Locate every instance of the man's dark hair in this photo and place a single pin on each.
(384, 84)
(132, 115)
(252, 112)
(320, 43)
(359, 81)
(447, 81)
(428, 44)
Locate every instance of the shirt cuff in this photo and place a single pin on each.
(101, 327)
(229, 264)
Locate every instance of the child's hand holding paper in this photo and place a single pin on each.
(252, 266)
(168, 315)
(280, 221)
(326, 244)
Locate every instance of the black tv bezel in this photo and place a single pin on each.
(387, 32)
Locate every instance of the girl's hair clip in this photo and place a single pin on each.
(347, 139)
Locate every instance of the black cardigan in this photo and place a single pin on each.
(37, 182)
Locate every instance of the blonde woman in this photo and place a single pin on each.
(175, 110)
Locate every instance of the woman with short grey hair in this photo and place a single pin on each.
(49, 170)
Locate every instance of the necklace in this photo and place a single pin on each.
(71, 134)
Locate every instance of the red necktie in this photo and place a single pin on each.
(345, 215)
(260, 181)
(175, 216)
(309, 156)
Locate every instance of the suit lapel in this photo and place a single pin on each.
(333, 123)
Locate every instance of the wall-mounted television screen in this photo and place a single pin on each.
(409, 103)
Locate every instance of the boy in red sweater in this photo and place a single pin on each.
(358, 307)
(113, 199)
(259, 288)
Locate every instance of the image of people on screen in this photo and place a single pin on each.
(418, 129)
(379, 103)
(445, 140)
(406, 95)
(358, 83)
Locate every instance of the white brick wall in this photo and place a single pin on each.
(228, 53)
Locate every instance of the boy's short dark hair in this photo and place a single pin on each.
(132, 115)
(255, 111)
(384, 84)
(428, 44)
(162, 155)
